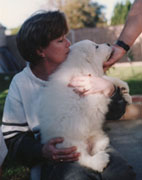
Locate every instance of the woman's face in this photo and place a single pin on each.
(57, 50)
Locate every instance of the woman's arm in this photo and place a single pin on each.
(28, 150)
(84, 85)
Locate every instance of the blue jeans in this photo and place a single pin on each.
(118, 169)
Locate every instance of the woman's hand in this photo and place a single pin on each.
(51, 152)
(84, 85)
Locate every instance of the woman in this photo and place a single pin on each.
(42, 42)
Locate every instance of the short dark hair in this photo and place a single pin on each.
(37, 32)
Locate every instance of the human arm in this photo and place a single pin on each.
(87, 84)
(28, 150)
(84, 85)
(130, 32)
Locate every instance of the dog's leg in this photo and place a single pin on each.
(123, 87)
(97, 162)
(101, 142)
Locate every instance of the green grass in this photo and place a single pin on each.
(132, 75)
(15, 172)
(5, 80)
(2, 101)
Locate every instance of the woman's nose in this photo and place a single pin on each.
(68, 43)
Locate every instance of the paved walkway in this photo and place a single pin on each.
(126, 137)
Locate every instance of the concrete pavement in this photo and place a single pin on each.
(126, 137)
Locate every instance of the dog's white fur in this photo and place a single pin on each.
(63, 113)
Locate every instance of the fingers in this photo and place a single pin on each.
(79, 81)
(81, 92)
(66, 151)
(81, 84)
(55, 141)
(110, 62)
(66, 158)
(65, 154)
(51, 152)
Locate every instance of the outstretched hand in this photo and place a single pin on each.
(51, 152)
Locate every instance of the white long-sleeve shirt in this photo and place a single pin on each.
(19, 115)
(3, 148)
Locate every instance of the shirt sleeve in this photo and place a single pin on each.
(14, 118)
(117, 107)
(3, 148)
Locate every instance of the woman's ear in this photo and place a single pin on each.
(40, 52)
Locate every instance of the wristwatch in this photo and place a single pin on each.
(123, 45)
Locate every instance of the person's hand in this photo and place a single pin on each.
(51, 152)
(88, 84)
(117, 54)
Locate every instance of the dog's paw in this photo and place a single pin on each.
(128, 98)
(100, 161)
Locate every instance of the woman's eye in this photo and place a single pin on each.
(60, 40)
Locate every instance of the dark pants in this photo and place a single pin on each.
(118, 169)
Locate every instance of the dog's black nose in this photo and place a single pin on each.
(108, 44)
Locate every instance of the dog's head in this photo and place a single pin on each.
(88, 54)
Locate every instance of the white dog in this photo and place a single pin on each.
(63, 113)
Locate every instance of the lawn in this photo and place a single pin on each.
(132, 75)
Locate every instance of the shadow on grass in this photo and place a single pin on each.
(15, 172)
(5, 80)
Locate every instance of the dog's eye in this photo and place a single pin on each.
(97, 47)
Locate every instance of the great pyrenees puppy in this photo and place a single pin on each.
(63, 113)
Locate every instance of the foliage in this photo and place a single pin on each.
(129, 72)
(14, 30)
(15, 171)
(80, 13)
(83, 13)
(120, 13)
(2, 101)
(5, 80)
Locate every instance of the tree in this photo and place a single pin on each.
(80, 13)
(83, 13)
(120, 13)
